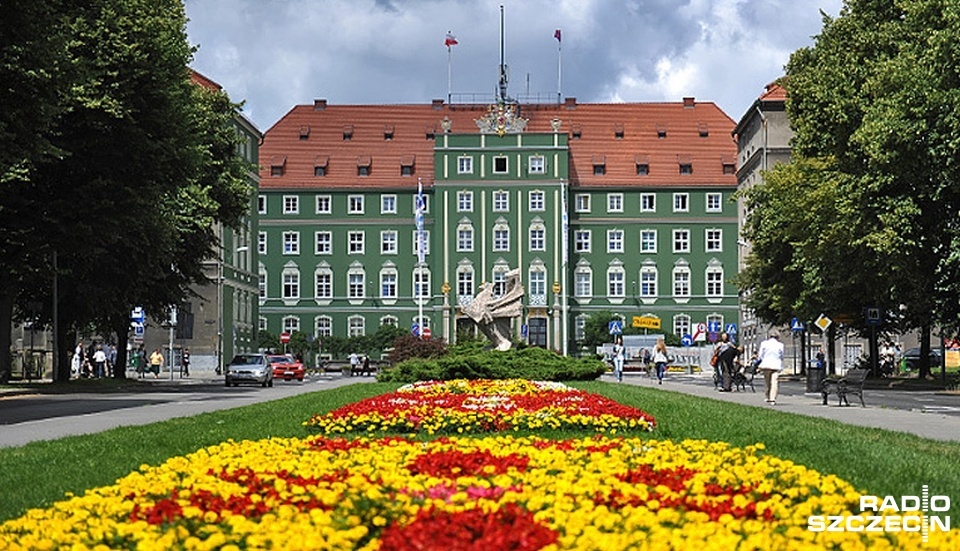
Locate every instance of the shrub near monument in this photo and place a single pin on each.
(471, 362)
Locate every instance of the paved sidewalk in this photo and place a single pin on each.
(927, 425)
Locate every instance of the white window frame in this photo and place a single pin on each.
(464, 201)
(582, 241)
(538, 164)
(538, 283)
(537, 201)
(464, 238)
(501, 237)
(583, 282)
(323, 326)
(356, 326)
(388, 242)
(291, 204)
(501, 201)
(323, 242)
(648, 202)
(464, 164)
(614, 202)
(616, 282)
(355, 204)
(615, 241)
(262, 242)
(465, 286)
(506, 164)
(648, 241)
(421, 284)
(324, 204)
(356, 242)
(714, 202)
(291, 242)
(261, 204)
(681, 282)
(681, 240)
(713, 278)
(291, 324)
(538, 237)
(290, 284)
(713, 239)
(323, 284)
(388, 204)
(682, 325)
(389, 284)
(681, 202)
(356, 285)
(582, 202)
(649, 286)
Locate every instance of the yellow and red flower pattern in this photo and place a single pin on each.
(459, 406)
(600, 492)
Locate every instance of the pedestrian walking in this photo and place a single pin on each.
(771, 364)
(99, 362)
(618, 356)
(185, 363)
(726, 353)
(156, 363)
(660, 359)
(354, 364)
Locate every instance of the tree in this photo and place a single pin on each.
(147, 165)
(865, 213)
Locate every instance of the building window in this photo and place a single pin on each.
(615, 286)
(501, 201)
(682, 325)
(713, 202)
(324, 204)
(648, 241)
(643, 169)
(648, 202)
(583, 282)
(388, 284)
(291, 204)
(388, 204)
(355, 242)
(715, 282)
(582, 202)
(291, 284)
(614, 241)
(355, 284)
(291, 324)
(537, 201)
(357, 326)
(681, 241)
(262, 283)
(681, 202)
(681, 282)
(686, 168)
(324, 326)
(323, 284)
(464, 238)
(648, 282)
(355, 204)
(580, 328)
(291, 242)
(599, 169)
(538, 285)
(320, 166)
(500, 165)
(363, 170)
(324, 242)
(614, 202)
(262, 242)
(388, 242)
(581, 241)
(501, 237)
(262, 324)
(421, 283)
(714, 239)
(391, 321)
(261, 204)
(537, 164)
(499, 279)
(464, 201)
(464, 282)
(538, 240)
(464, 165)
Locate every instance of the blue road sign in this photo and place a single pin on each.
(615, 327)
(686, 340)
(796, 325)
(415, 329)
(731, 329)
(713, 327)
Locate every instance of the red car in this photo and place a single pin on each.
(286, 368)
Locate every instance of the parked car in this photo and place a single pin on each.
(911, 358)
(249, 368)
(286, 368)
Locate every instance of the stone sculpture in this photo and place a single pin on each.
(493, 314)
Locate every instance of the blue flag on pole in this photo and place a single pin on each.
(418, 218)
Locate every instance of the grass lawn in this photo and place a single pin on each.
(876, 461)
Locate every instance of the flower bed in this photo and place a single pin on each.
(451, 407)
(498, 492)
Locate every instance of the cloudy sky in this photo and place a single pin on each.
(274, 54)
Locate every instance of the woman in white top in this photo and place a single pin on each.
(771, 364)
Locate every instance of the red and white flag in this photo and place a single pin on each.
(450, 40)
(558, 35)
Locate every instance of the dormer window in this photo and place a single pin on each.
(320, 165)
(599, 165)
(388, 133)
(406, 165)
(304, 132)
(729, 164)
(430, 132)
(278, 165)
(686, 164)
(618, 131)
(348, 133)
(643, 164)
(363, 165)
(576, 130)
(661, 131)
(703, 129)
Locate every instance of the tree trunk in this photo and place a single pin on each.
(831, 349)
(67, 343)
(121, 327)
(6, 337)
(925, 350)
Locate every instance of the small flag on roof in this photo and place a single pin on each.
(450, 40)
(558, 35)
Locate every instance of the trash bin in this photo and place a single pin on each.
(815, 376)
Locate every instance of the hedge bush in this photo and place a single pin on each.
(528, 363)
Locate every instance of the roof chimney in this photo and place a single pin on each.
(570, 103)
(688, 102)
(319, 105)
(437, 104)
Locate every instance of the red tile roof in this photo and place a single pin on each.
(774, 92)
(660, 134)
(201, 80)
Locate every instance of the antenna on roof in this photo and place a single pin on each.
(504, 77)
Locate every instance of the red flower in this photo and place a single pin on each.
(454, 463)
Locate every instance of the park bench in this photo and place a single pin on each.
(851, 383)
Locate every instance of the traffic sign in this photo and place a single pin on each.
(823, 322)
(713, 326)
(796, 325)
(415, 329)
(615, 327)
(646, 322)
(137, 315)
(731, 329)
(686, 340)
(284, 337)
(873, 316)
(713, 336)
(427, 332)
(701, 333)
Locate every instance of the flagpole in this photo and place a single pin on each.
(421, 255)
(559, 70)
(449, 73)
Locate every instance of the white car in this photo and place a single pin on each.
(249, 368)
